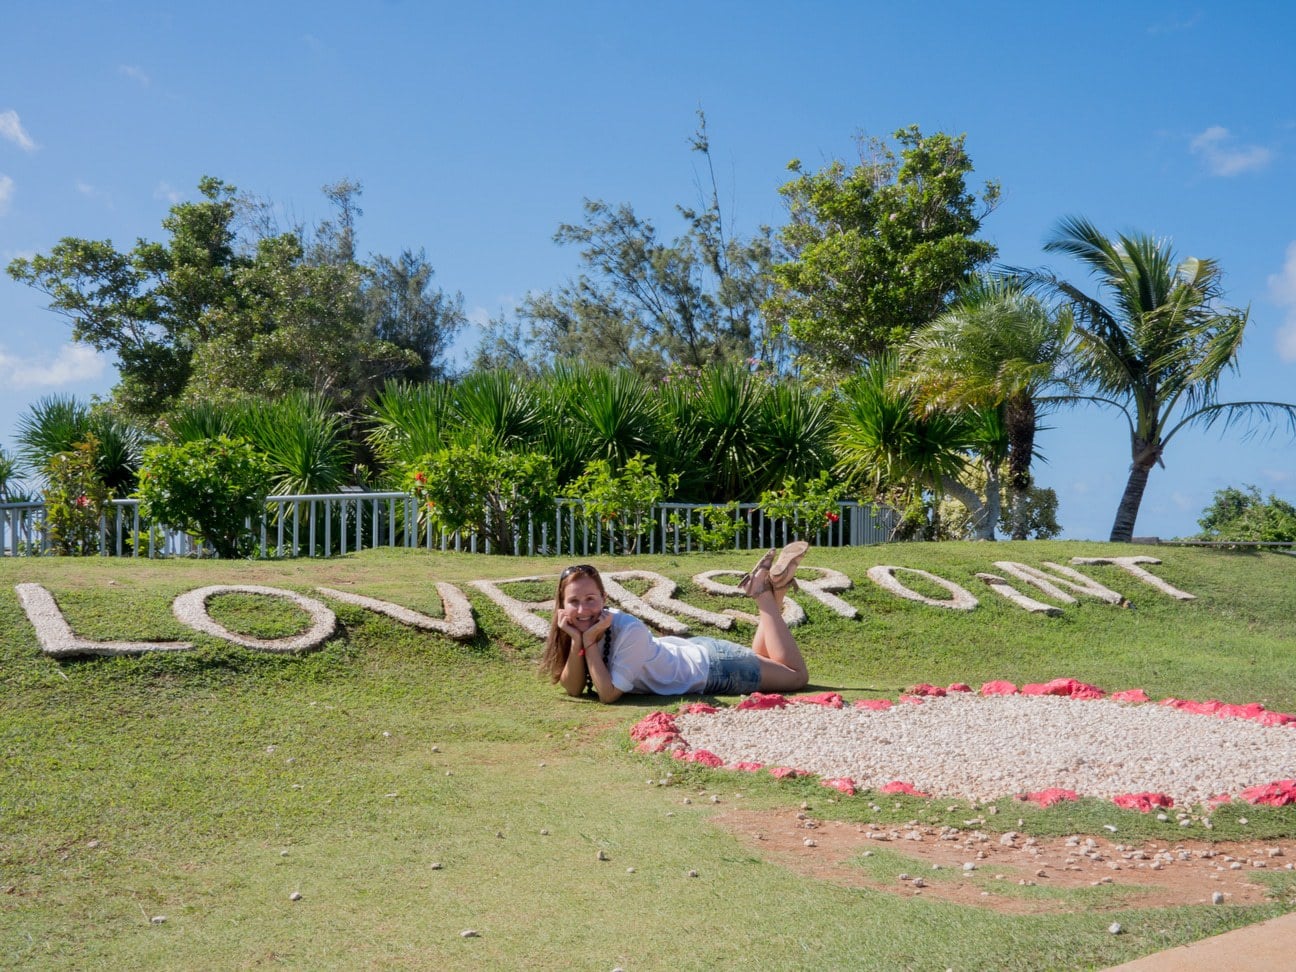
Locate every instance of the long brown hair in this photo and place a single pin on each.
(558, 647)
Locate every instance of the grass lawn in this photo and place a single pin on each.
(410, 788)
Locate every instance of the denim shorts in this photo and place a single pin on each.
(734, 670)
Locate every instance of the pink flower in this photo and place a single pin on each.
(757, 700)
(877, 705)
(1130, 695)
(1046, 798)
(1276, 794)
(703, 756)
(899, 787)
(843, 784)
(935, 691)
(656, 724)
(786, 773)
(999, 688)
(82, 501)
(1143, 802)
(832, 700)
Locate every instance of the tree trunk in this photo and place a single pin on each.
(1021, 448)
(1145, 456)
(1123, 529)
(982, 516)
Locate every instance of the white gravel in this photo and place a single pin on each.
(979, 748)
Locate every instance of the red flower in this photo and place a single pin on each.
(832, 517)
(82, 501)
(420, 478)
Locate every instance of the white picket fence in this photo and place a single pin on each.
(334, 524)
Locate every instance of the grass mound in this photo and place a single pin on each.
(409, 787)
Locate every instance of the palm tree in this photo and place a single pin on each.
(887, 440)
(1157, 347)
(58, 423)
(996, 347)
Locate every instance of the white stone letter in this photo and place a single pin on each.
(885, 578)
(191, 608)
(1131, 566)
(56, 637)
(458, 622)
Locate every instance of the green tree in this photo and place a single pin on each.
(995, 347)
(75, 498)
(58, 424)
(872, 251)
(1154, 343)
(647, 304)
(1241, 514)
(404, 309)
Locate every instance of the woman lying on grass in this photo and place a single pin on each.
(589, 644)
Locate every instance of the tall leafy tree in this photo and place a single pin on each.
(996, 347)
(1154, 342)
(404, 308)
(874, 250)
(148, 306)
(646, 303)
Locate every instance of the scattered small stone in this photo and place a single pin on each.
(602, 856)
(437, 865)
(544, 831)
(630, 870)
(1041, 873)
(904, 877)
(1271, 852)
(470, 933)
(386, 734)
(810, 842)
(448, 773)
(1111, 827)
(1162, 817)
(714, 798)
(94, 843)
(919, 883)
(436, 749)
(499, 834)
(670, 813)
(870, 854)
(283, 853)
(543, 764)
(687, 801)
(1115, 928)
(391, 796)
(1242, 821)
(1185, 822)
(295, 896)
(158, 920)
(969, 866)
(992, 810)
(270, 749)
(1217, 897)
(692, 874)
(1235, 866)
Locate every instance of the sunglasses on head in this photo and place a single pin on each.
(578, 569)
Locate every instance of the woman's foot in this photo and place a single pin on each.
(762, 564)
(783, 572)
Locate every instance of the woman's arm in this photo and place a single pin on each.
(593, 659)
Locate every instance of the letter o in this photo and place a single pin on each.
(191, 609)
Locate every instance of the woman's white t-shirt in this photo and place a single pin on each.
(644, 663)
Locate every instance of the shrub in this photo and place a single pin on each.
(716, 526)
(206, 487)
(804, 507)
(75, 496)
(621, 503)
(493, 492)
(1240, 514)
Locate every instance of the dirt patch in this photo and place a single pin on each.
(1011, 873)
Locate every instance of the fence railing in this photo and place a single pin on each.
(332, 524)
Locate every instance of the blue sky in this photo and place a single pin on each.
(477, 128)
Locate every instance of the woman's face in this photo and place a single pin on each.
(583, 602)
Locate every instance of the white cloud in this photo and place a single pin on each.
(1224, 157)
(1174, 26)
(6, 192)
(74, 363)
(134, 73)
(167, 193)
(11, 128)
(1282, 290)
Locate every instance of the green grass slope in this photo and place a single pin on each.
(410, 788)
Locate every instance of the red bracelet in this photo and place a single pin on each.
(582, 652)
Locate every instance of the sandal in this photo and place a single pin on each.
(783, 573)
(762, 564)
(756, 583)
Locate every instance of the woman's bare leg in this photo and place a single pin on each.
(783, 669)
